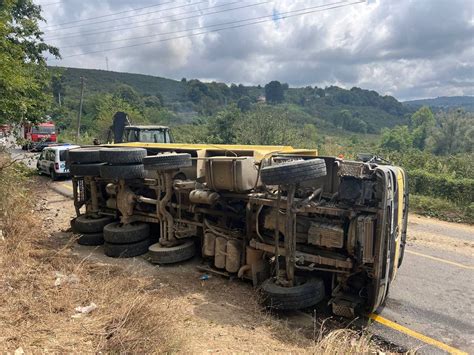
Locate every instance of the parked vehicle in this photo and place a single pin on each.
(303, 228)
(52, 161)
(37, 137)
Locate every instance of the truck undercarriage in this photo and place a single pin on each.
(301, 227)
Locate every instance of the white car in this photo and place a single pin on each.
(52, 161)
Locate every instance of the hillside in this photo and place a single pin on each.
(355, 110)
(444, 103)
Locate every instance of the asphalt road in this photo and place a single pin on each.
(430, 303)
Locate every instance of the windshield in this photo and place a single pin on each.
(148, 135)
(43, 130)
(63, 155)
(152, 136)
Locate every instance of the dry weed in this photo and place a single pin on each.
(36, 314)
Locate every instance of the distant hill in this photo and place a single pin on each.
(444, 103)
(356, 110)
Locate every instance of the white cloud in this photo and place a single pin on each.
(406, 48)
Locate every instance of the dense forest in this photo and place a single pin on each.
(160, 100)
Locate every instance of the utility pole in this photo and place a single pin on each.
(107, 63)
(80, 111)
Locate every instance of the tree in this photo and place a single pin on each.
(398, 138)
(267, 126)
(24, 78)
(422, 123)
(221, 126)
(128, 94)
(244, 104)
(274, 92)
(454, 134)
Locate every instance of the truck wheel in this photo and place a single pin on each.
(126, 250)
(84, 155)
(117, 156)
(118, 233)
(86, 169)
(167, 161)
(53, 175)
(90, 224)
(293, 172)
(158, 254)
(306, 293)
(91, 239)
(122, 171)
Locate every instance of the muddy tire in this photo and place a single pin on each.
(293, 172)
(91, 239)
(158, 254)
(117, 156)
(167, 161)
(88, 224)
(306, 293)
(85, 169)
(118, 233)
(83, 155)
(126, 250)
(122, 171)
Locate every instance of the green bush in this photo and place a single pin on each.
(460, 191)
(441, 208)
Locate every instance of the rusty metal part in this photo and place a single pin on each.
(326, 235)
(111, 189)
(205, 197)
(305, 257)
(233, 255)
(290, 236)
(167, 237)
(209, 244)
(94, 206)
(111, 203)
(125, 202)
(220, 251)
(277, 233)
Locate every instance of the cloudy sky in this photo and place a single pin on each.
(406, 48)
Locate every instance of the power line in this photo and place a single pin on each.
(168, 21)
(273, 18)
(125, 17)
(113, 14)
(202, 27)
(90, 33)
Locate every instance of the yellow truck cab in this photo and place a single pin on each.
(301, 227)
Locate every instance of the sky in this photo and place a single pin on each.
(406, 48)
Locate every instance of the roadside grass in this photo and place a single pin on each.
(42, 282)
(441, 209)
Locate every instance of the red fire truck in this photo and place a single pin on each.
(38, 136)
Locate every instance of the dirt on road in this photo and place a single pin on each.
(447, 236)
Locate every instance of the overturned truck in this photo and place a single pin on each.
(302, 228)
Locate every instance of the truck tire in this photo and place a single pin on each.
(118, 233)
(306, 293)
(126, 250)
(89, 224)
(122, 171)
(167, 161)
(91, 239)
(158, 254)
(116, 156)
(293, 172)
(84, 155)
(85, 169)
